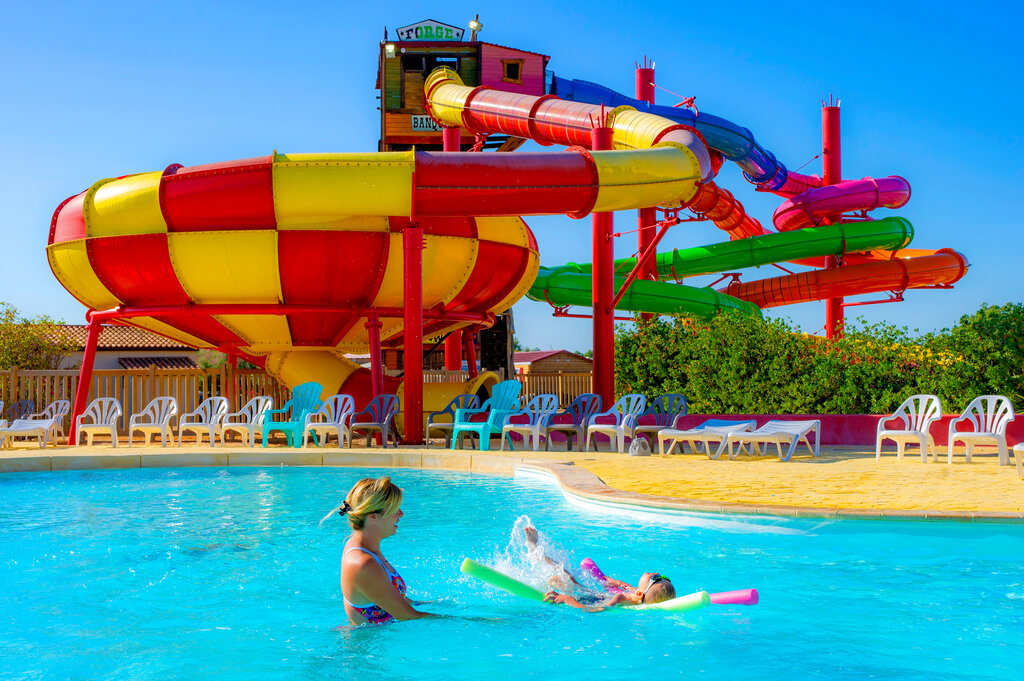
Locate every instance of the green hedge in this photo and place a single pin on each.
(740, 365)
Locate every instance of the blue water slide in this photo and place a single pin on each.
(736, 143)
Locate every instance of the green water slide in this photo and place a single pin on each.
(571, 284)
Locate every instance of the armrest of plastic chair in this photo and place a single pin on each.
(434, 414)
(887, 419)
(611, 413)
(516, 414)
(365, 412)
(227, 417)
(269, 413)
(462, 415)
(961, 419)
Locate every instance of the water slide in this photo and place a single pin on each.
(871, 267)
(807, 203)
(293, 260)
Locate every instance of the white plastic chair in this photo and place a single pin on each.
(333, 415)
(537, 413)
(248, 421)
(37, 428)
(700, 437)
(155, 418)
(1018, 457)
(102, 414)
(917, 414)
(777, 433)
(56, 411)
(989, 415)
(206, 419)
(665, 410)
(625, 411)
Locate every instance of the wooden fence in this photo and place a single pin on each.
(134, 388)
(567, 385)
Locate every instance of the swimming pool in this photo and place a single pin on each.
(222, 573)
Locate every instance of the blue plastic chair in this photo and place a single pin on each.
(377, 416)
(21, 409)
(660, 415)
(503, 401)
(581, 409)
(305, 400)
(536, 414)
(625, 413)
(446, 427)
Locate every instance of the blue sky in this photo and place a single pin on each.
(930, 91)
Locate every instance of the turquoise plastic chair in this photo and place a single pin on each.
(305, 400)
(504, 400)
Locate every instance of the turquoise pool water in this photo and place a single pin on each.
(223, 574)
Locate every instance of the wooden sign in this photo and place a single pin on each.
(430, 30)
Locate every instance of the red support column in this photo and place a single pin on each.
(231, 388)
(646, 217)
(451, 139)
(376, 360)
(453, 351)
(469, 343)
(413, 335)
(833, 173)
(603, 288)
(84, 378)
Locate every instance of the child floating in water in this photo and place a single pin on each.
(652, 587)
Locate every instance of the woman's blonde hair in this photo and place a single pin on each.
(369, 495)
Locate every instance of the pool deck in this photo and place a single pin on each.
(841, 482)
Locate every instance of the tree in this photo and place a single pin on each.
(31, 343)
(519, 347)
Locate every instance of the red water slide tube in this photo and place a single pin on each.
(943, 268)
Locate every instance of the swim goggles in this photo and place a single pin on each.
(655, 578)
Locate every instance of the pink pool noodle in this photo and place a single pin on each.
(740, 597)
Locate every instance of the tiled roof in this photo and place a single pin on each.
(536, 355)
(120, 338)
(160, 362)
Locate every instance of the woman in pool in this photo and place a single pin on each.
(374, 592)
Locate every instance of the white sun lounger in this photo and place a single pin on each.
(37, 428)
(778, 433)
(711, 430)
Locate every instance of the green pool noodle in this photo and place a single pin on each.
(692, 601)
(503, 582)
(513, 586)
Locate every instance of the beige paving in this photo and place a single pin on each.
(841, 478)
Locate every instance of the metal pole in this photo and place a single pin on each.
(469, 343)
(453, 344)
(646, 217)
(84, 377)
(603, 287)
(413, 333)
(833, 173)
(376, 368)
